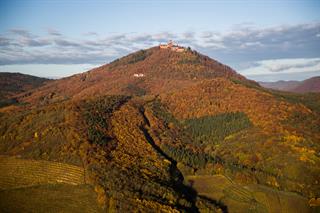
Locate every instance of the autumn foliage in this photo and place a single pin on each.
(137, 139)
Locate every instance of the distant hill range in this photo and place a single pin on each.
(12, 84)
(308, 85)
(15, 83)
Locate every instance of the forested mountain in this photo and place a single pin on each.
(160, 130)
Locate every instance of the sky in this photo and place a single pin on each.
(265, 40)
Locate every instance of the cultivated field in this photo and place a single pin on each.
(44, 186)
(249, 198)
(16, 173)
(49, 198)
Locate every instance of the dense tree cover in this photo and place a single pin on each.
(110, 167)
(162, 113)
(97, 114)
(197, 133)
(230, 144)
(214, 128)
(277, 160)
(188, 157)
(154, 181)
(220, 96)
(310, 100)
(39, 133)
(197, 118)
(125, 175)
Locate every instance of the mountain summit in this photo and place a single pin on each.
(152, 71)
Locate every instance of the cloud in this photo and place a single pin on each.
(4, 41)
(164, 36)
(189, 35)
(277, 66)
(66, 43)
(287, 65)
(53, 32)
(90, 33)
(282, 69)
(206, 34)
(242, 46)
(21, 32)
(251, 44)
(280, 38)
(34, 42)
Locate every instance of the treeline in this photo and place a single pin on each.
(97, 114)
(217, 127)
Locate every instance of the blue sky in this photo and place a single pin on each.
(264, 40)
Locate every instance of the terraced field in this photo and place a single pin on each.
(16, 173)
(44, 186)
(249, 198)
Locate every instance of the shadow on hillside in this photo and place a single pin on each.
(177, 179)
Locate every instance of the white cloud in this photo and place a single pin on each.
(53, 32)
(251, 44)
(272, 67)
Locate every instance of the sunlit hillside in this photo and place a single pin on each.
(160, 130)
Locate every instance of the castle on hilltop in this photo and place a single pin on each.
(172, 46)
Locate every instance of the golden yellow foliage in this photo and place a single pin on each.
(293, 138)
(314, 202)
(101, 195)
